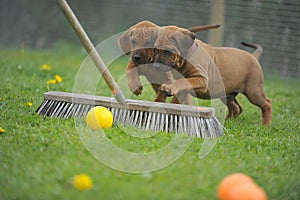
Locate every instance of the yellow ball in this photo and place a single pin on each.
(82, 182)
(99, 117)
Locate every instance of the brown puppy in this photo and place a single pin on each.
(199, 63)
(139, 40)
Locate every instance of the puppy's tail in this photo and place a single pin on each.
(204, 27)
(258, 49)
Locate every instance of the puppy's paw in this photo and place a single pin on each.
(135, 87)
(138, 91)
(166, 89)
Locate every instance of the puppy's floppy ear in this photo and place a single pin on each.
(124, 42)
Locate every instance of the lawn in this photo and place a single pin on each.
(39, 156)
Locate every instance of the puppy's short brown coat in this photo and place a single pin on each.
(240, 71)
(139, 40)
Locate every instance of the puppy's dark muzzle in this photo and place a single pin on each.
(161, 67)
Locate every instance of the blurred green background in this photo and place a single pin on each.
(274, 24)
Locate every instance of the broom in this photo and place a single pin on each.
(191, 120)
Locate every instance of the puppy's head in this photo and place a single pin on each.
(171, 47)
(139, 40)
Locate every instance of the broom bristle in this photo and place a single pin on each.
(178, 122)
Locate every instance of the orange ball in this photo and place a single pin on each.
(247, 191)
(230, 182)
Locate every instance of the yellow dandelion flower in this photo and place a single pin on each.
(51, 81)
(58, 78)
(82, 182)
(46, 67)
(2, 130)
(29, 104)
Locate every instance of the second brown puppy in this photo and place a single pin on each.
(200, 65)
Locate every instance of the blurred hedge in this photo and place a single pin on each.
(274, 24)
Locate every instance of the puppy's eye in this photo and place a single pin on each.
(133, 41)
(147, 43)
(167, 53)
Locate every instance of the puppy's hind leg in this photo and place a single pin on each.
(258, 98)
(234, 108)
(240, 107)
(267, 112)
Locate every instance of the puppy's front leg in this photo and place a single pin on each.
(183, 98)
(134, 82)
(194, 85)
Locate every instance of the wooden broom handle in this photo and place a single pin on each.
(88, 45)
(204, 27)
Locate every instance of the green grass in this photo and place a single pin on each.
(39, 156)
